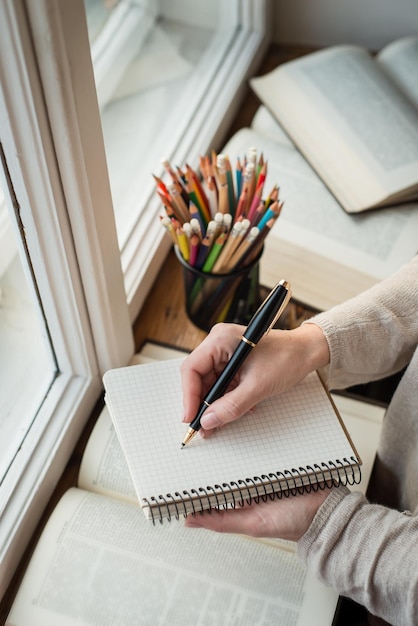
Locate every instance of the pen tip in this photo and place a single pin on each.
(189, 435)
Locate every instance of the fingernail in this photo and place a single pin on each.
(209, 420)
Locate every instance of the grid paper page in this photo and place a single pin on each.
(295, 429)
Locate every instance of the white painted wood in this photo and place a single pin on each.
(38, 466)
(78, 277)
(69, 92)
(196, 12)
(119, 42)
(7, 242)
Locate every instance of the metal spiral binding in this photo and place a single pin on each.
(273, 486)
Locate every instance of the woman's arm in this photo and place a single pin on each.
(374, 334)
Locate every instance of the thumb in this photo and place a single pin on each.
(228, 408)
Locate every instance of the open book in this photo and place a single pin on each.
(287, 444)
(100, 562)
(327, 254)
(354, 118)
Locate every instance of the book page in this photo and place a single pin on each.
(297, 429)
(80, 556)
(103, 467)
(264, 123)
(327, 254)
(100, 563)
(352, 124)
(400, 61)
(152, 351)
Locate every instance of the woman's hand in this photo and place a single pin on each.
(280, 360)
(287, 518)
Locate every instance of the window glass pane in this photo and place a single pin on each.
(26, 359)
(152, 70)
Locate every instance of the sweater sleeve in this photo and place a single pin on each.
(366, 552)
(374, 334)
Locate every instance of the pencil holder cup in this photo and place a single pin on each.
(212, 298)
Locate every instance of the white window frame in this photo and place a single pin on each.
(147, 246)
(52, 140)
(7, 244)
(129, 23)
(77, 270)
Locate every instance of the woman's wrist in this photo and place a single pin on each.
(312, 347)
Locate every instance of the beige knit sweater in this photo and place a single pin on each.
(369, 551)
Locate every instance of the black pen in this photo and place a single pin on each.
(262, 321)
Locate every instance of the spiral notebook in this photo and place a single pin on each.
(287, 444)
